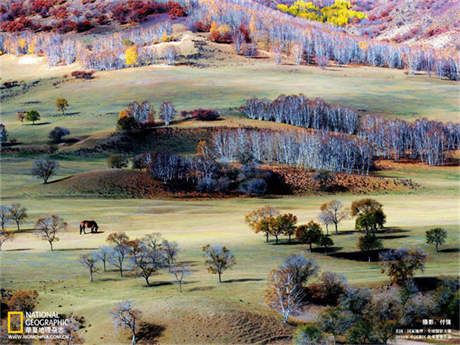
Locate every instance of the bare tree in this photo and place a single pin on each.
(218, 258)
(89, 261)
(170, 55)
(334, 211)
(126, 316)
(284, 294)
(148, 261)
(167, 112)
(44, 169)
(180, 272)
(171, 250)
(103, 254)
(18, 214)
(5, 215)
(48, 227)
(152, 240)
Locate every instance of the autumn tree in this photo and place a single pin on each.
(18, 214)
(48, 228)
(218, 259)
(131, 56)
(402, 263)
(167, 112)
(309, 233)
(32, 116)
(254, 218)
(267, 226)
(368, 243)
(124, 315)
(23, 300)
(436, 236)
(62, 105)
(120, 249)
(285, 224)
(334, 211)
(89, 261)
(364, 206)
(44, 169)
(117, 162)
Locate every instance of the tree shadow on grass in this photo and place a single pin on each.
(392, 237)
(450, 250)
(73, 249)
(157, 284)
(242, 280)
(149, 333)
(330, 250)
(202, 288)
(16, 250)
(425, 284)
(38, 124)
(360, 256)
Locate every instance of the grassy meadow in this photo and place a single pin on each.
(206, 311)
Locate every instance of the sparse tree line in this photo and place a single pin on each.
(319, 151)
(248, 25)
(359, 315)
(429, 141)
(132, 47)
(310, 42)
(151, 254)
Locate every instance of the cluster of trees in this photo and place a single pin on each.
(361, 315)
(320, 151)
(429, 141)
(81, 16)
(310, 42)
(300, 111)
(150, 254)
(240, 21)
(107, 53)
(338, 13)
(270, 222)
(204, 174)
(141, 115)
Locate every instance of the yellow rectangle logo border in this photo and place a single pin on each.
(21, 314)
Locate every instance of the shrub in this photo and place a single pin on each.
(57, 133)
(205, 114)
(126, 123)
(307, 335)
(82, 74)
(117, 162)
(328, 290)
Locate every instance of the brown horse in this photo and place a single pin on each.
(91, 224)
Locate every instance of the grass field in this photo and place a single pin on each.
(95, 104)
(232, 312)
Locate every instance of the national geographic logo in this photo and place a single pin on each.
(15, 322)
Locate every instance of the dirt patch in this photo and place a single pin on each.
(229, 326)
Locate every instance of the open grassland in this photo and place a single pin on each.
(95, 104)
(232, 312)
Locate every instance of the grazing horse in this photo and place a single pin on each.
(91, 224)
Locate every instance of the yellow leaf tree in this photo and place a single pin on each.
(131, 56)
